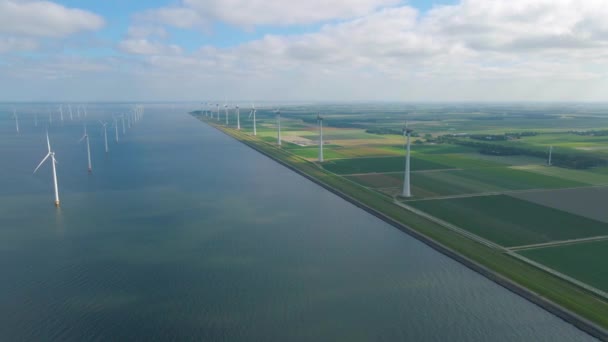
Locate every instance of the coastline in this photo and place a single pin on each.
(549, 304)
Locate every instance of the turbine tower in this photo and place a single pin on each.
(71, 114)
(86, 137)
(217, 109)
(320, 121)
(105, 133)
(238, 117)
(115, 128)
(253, 111)
(278, 111)
(53, 162)
(226, 110)
(550, 155)
(406, 178)
(61, 112)
(16, 120)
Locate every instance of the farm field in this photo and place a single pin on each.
(382, 164)
(583, 176)
(584, 261)
(588, 202)
(509, 221)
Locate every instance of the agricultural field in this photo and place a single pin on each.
(509, 221)
(382, 164)
(587, 202)
(585, 261)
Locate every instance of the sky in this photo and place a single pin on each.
(313, 50)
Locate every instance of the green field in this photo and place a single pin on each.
(313, 153)
(383, 164)
(584, 261)
(511, 179)
(509, 221)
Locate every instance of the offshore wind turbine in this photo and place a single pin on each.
(278, 111)
(61, 112)
(16, 120)
(407, 132)
(238, 117)
(70, 110)
(105, 133)
(253, 111)
(217, 107)
(53, 162)
(86, 137)
(115, 128)
(550, 155)
(320, 121)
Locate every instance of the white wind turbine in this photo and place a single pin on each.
(217, 108)
(105, 133)
(238, 117)
(71, 113)
(320, 121)
(86, 137)
(16, 120)
(61, 112)
(53, 163)
(278, 111)
(253, 111)
(406, 177)
(115, 128)
(226, 110)
(550, 155)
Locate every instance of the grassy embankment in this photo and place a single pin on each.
(544, 285)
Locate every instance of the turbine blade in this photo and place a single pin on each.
(42, 162)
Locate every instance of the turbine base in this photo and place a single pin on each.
(57, 205)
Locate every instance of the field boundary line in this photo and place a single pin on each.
(547, 269)
(505, 192)
(558, 243)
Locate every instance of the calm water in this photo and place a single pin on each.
(183, 233)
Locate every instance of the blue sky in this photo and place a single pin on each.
(416, 50)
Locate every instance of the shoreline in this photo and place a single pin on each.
(565, 314)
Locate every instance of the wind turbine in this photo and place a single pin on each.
(550, 155)
(238, 117)
(226, 110)
(320, 121)
(71, 114)
(105, 133)
(217, 107)
(406, 177)
(86, 137)
(16, 119)
(253, 111)
(61, 112)
(53, 161)
(278, 111)
(116, 128)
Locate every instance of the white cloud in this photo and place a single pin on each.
(249, 13)
(44, 19)
(146, 47)
(17, 44)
